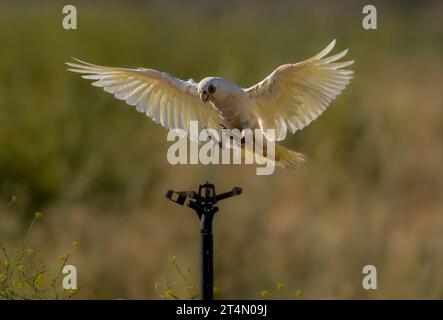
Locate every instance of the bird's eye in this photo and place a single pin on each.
(211, 89)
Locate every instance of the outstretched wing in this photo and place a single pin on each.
(167, 100)
(294, 95)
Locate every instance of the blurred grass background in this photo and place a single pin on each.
(370, 193)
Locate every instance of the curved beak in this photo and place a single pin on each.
(204, 96)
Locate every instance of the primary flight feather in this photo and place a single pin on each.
(289, 99)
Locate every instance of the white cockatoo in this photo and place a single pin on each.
(289, 99)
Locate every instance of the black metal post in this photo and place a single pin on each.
(203, 203)
(207, 264)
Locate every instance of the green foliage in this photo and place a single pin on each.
(170, 288)
(168, 291)
(24, 276)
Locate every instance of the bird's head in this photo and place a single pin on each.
(214, 89)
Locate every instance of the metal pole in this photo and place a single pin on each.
(203, 203)
(207, 263)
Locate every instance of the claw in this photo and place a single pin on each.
(210, 136)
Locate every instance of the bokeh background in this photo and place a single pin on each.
(370, 193)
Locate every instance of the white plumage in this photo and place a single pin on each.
(289, 99)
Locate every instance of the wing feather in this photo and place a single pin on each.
(294, 95)
(167, 100)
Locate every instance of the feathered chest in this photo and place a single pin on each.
(234, 112)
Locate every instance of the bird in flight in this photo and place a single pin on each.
(289, 99)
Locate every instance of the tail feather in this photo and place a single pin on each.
(287, 158)
(283, 157)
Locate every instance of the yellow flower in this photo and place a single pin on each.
(174, 259)
(169, 293)
(38, 282)
(76, 244)
(157, 285)
(279, 286)
(298, 294)
(21, 267)
(61, 258)
(29, 251)
(216, 290)
(264, 294)
(17, 284)
(38, 215)
(6, 262)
